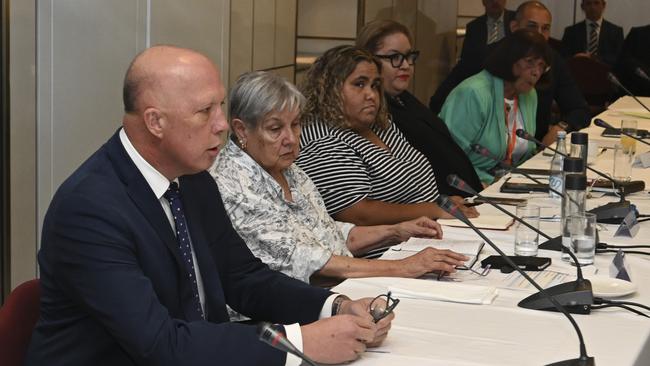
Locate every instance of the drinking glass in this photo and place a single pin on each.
(583, 237)
(527, 240)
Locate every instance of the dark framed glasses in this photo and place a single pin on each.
(381, 306)
(397, 58)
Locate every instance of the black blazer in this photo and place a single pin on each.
(114, 289)
(562, 89)
(475, 43)
(635, 54)
(429, 135)
(610, 41)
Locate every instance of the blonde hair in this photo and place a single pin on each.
(324, 81)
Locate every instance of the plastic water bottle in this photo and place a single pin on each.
(573, 202)
(556, 179)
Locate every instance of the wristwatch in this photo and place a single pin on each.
(336, 304)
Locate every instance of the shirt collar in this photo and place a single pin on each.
(493, 20)
(599, 22)
(158, 183)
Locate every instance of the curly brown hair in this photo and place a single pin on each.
(324, 81)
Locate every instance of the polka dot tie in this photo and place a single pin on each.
(173, 195)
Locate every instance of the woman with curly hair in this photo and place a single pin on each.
(364, 168)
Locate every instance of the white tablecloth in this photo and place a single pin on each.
(427, 332)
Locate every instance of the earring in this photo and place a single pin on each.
(242, 143)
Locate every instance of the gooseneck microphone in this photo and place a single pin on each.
(446, 204)
(483, 151)
(614, 80)
(613, 212)
(600, 123)
(640, 73)
(279, 341)
(456, 182)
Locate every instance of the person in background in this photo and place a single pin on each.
(138, 258)
(633, 67)
(487, 29)
(276, 208)
(489, 107)
(363, 167)
(574, 110)
(593, 37)
(391, 42)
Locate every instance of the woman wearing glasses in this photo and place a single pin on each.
(392, 43)
(489, 107)
(362, 165)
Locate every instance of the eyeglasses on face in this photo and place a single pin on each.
(381, 309)
(397, 58)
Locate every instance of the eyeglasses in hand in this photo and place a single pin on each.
(397, 58)
(380, 309)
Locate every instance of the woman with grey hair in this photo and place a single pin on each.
(276, 208)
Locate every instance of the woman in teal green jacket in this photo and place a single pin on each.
(488, 108)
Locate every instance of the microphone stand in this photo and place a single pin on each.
(600, 123)
(576, 296)
(584, 359)
(606, 213)
(614, 80)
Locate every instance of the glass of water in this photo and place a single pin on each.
(583, 237)
(526, 239)
(623, 159)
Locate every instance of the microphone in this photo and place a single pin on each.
(600, 123)
(277, 340)
(613, 212)
(614, 80)
(552, 300)
(483, 151)
(640, 73)
(455, 181)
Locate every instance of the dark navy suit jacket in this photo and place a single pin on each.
(610, 41)
(114, 290)
(475, 43)
(635, 54)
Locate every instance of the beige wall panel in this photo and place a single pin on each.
(405, 12)
(263, 34)
(285, 72)
(470, 7)
(378, 9)
(436, 39)
(241, 38)
(83, 50)
(285, 32)
(327, 18)
(22, 137)
(199, 24)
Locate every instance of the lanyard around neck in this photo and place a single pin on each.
(512, 137)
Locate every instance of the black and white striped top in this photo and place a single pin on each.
(347, 167)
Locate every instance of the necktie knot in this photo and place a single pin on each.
(173, 192)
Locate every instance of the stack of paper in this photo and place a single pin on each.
(485, 221)
(442, 291)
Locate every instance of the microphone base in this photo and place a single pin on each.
(576, 296)
(588, 361)
(612, 213)
(553, 244)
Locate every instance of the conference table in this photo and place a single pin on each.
(432, 332)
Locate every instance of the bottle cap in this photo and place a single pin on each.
(561, 134)
(575, 182)
(579, 138)
(573, 165)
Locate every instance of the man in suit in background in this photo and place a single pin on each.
(139, 259)
(562, 89)
(633, 67)
(593, 37)
(489, 28)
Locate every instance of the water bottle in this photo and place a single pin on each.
(556, 179)
(579, 144)
(573, 202)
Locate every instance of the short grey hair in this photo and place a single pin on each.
(258, 93)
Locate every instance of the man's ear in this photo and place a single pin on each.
(513, 26)
(155, 121)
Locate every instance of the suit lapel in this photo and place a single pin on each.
(142, 196)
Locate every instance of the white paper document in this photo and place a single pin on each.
(470, 248)
(442, 291)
